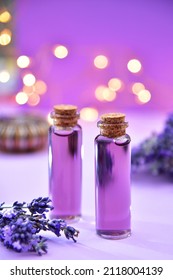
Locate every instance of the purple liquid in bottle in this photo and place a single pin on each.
(113, 195)
(65, 171)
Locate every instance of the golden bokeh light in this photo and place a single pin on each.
(40, 87)
(33, 99)
(89, 114)
(60, 51)
(101, 61)
(29, 80)
(5, 17)
(134, 65)
(28, 90)
(109, 95)
(21, 98)
(103, 93)
(4, 76)
(99, 92)
(23, 61)
(49, 119)
(144, 96)
(137, 87)
(115, 84)
(5, 37)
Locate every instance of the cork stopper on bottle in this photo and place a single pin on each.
(113, 125)
(65, 115)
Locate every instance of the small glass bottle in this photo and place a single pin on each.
(65, 163)
(112, 170)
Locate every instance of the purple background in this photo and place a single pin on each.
(121, 30)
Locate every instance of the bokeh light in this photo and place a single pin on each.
(89, 114)
(144, 96)
(21, 98)
(103, 93)
(5, 37)
(109, 95)
(137, 87)
(4, 76)
(134, 65)
(29, 80)
(49, 119)
(28, 90)
(5, 17)
(115, 84)
(33, 99)
(23, 61)
(101, 61)
(40, 87)
(60, 51)
(99, 92)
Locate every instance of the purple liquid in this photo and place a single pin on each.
(113, 199)
(65, 171)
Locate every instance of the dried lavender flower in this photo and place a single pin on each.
(21, 223)
(156, 152)
(40, 205)
(70, 232)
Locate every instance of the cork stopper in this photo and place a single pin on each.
(113, 125)
(65, 115)
(63, 109)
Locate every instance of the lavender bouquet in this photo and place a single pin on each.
(156, 152)
(21, 223)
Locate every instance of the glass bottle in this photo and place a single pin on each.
(65, 163)
(112, 170)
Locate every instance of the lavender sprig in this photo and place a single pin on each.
(156, 152)
(21, 223)
(40, 205)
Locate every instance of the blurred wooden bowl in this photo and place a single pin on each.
(23, 133)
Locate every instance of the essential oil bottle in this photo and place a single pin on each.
(112, 175)
(65, 163)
